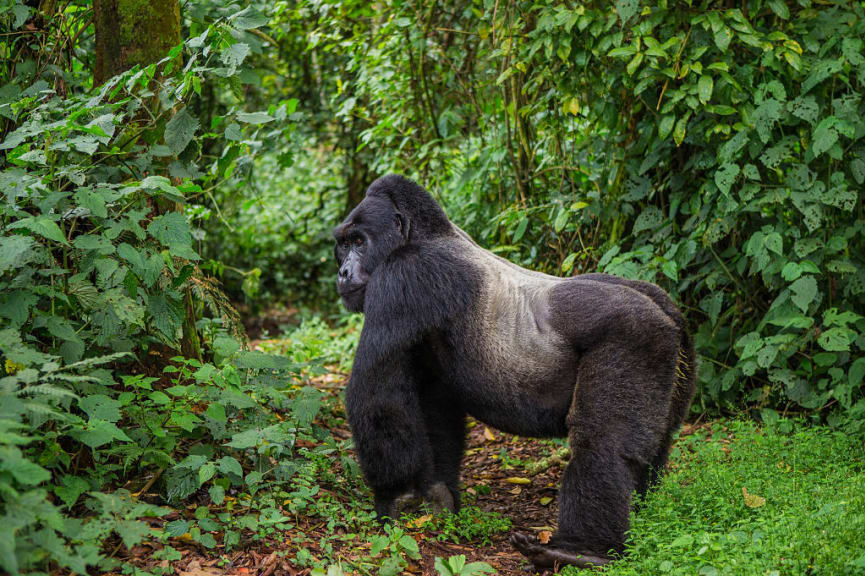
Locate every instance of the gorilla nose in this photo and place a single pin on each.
(344, 274)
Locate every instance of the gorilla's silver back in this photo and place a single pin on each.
(516, 350)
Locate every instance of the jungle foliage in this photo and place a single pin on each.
(713, 147)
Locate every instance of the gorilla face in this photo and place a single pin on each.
(365, 238)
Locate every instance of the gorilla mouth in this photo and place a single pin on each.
(350, 291)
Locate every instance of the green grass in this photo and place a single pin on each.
(697, 521)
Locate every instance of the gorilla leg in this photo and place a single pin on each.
(618, 426)
(445, 423)
(384, 412)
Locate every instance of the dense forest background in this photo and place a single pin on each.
(166, 165)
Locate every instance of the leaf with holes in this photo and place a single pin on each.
(804, 292)
(170, 229)
(649, 218)
(836, 339)
(725, 176)
(626, 9)
(180, 130)
(825, 136)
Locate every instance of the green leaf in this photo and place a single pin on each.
(409, 545)
(561, 220)
(704, 88)
(255, 360)
(235, 54)
(8, 559)
(217, 494)
(769, 112)
(649, 218)
(132, 532)
(71, 489)
(171, 229)
(665, 126)
(825, 136)
(723, 37)
(856, 372)
(248, 19)
(804, 292)
(43, 226)
(836, 339)
(192, 462)
(683, 541)
(206, 472)
(177, 528)
(857, 169)
(626, 9)
(93, 201)
(230, 465)
(780, 8)
(568, 263)
(679, 130)
(216, 412)
(306, 405)
(15, 251)
(634, 63)
(805, 108)
(521, 229)
(22, 14)
(622, 51)
(255, 117)
(245, 439)
(23, 470)
(725, 176)
(99, 432)
(100, 407)
(180, 130)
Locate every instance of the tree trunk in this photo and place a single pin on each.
(141, 32)
(130, 32)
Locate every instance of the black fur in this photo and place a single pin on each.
(453, 330)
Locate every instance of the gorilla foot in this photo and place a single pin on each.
(550, 557)
(440, 498)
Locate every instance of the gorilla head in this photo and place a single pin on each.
(376, 227)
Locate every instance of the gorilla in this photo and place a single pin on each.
(453, 330)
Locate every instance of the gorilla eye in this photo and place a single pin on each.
(358, 240)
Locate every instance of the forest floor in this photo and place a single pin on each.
(737, 498)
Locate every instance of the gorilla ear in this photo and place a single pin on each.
(402, 224)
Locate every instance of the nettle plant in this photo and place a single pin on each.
(99, 275)
(97, 250)
(732, 173)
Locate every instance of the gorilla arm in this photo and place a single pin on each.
(416, 290)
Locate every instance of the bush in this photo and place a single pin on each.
(715, 150)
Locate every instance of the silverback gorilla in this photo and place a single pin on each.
(453, 330)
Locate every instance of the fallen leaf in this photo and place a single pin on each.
(752, 500)
(488, 434)
(419, 521)
(544, 536)
(194, 569)
(546, 500)
(516, 491)
(517, 480)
